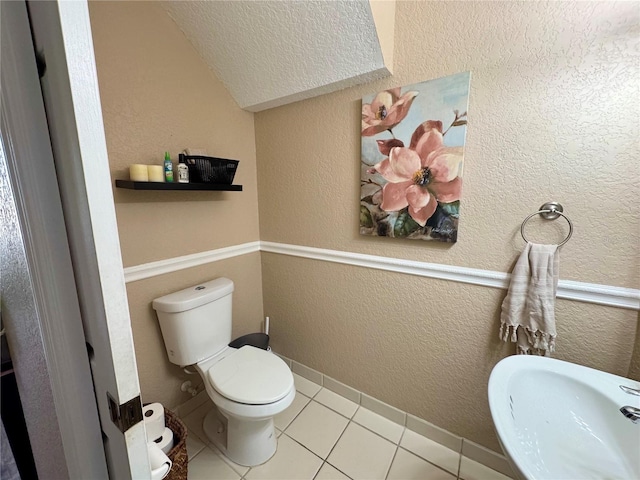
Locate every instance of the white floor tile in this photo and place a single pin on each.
(317, 428)
(362, 454)
(208, 465)
(336, 403)
(470, 470)
(377, 423)
(194, 445)
(291, 462)
(328, 472)
(194, 420)
(305, 387)
(239, 469)
(407, 466)
(282, 420)
(431, 451)
(194, 425)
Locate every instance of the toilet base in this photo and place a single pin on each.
(245, 442)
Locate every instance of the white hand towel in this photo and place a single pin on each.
(528, 311)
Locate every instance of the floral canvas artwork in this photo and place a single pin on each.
(412, 158)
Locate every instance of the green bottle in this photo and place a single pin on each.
(168, 168)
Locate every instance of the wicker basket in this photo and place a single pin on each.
(210, 169)
(178, 454)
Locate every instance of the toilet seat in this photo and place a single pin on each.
(251, 376)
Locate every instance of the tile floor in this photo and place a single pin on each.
(323, 436)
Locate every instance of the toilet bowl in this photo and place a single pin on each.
(249, 387)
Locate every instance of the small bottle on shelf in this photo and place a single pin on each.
(168, 168)
(183, 170)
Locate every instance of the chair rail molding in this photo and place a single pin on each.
(611, 296)
(160, 267)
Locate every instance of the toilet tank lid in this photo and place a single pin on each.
(193, 297)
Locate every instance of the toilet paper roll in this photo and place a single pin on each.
(156, 173)
(138, 173)
(160, 472)
(153, 415)
(165, 441)
(159, 462)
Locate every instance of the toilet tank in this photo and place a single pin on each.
(196, 321)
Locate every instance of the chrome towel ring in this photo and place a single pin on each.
(549, 211)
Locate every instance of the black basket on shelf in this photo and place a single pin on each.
(210, 169)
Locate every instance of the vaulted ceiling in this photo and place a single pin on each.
(270, 53)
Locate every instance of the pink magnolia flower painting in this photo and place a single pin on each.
(413, 189)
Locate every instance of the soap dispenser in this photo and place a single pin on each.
(183, 170)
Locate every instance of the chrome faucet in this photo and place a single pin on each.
(629, 390)
(632, 413)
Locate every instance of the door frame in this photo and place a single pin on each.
(41, 312)
(61, 36)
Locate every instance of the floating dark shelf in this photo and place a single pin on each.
(176, 186)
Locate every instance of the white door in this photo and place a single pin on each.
(61, 184)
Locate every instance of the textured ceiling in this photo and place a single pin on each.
(270, 53)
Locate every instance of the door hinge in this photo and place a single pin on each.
(41, 63)
(126, 415)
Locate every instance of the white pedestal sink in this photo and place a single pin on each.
(557, 420)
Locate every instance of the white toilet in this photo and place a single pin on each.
(248, 385)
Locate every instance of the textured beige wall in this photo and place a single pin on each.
(157, 94)
(553, 116)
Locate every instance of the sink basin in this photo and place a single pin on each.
(558, 420)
